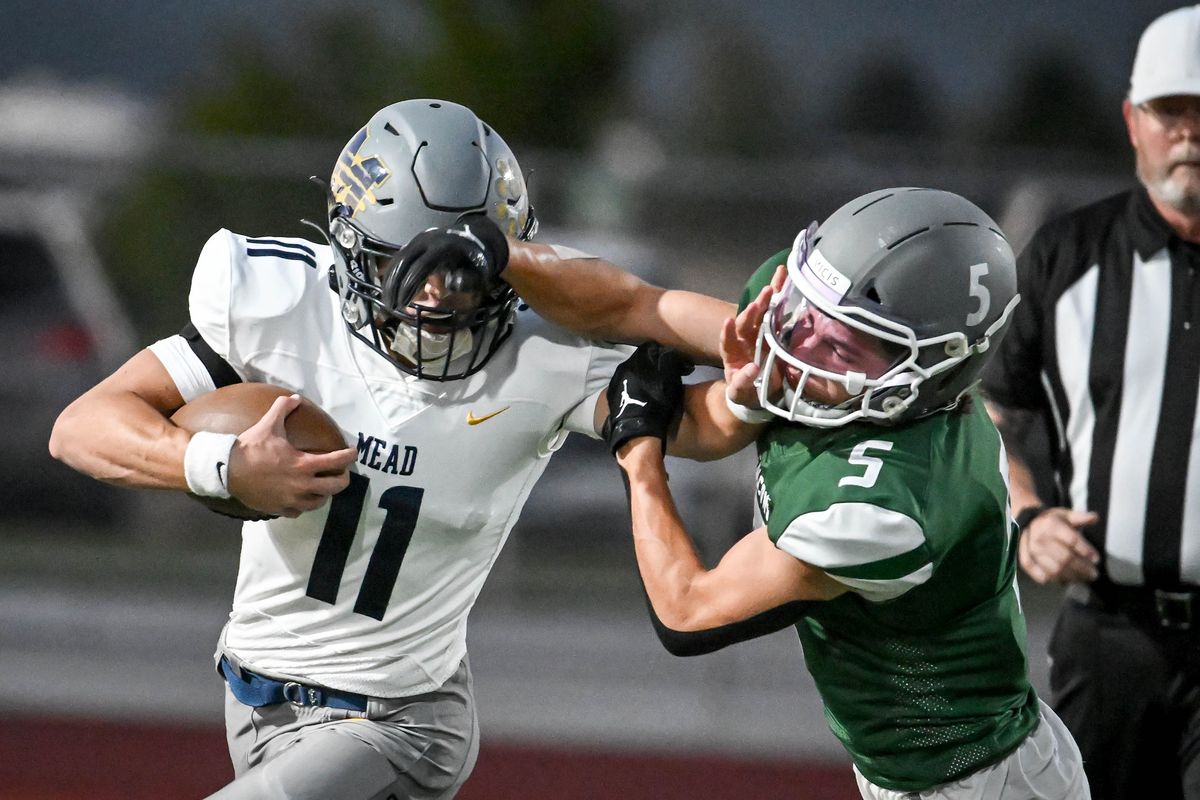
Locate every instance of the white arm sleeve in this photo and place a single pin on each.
(208, 306)
(208, 301)
(184, 366)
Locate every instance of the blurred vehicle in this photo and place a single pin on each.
(63, 331)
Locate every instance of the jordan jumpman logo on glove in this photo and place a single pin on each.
(626, 399)
(645, 395)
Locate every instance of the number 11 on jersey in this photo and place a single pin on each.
(403, 506)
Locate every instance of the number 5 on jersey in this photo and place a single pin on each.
(859, 458)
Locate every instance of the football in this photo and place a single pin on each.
(234, 408)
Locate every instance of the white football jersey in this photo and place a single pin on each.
(371, 592)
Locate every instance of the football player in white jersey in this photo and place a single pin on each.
(344, 654)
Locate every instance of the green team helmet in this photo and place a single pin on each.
(924, 271)
(415, 165)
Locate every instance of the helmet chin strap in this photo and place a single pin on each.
(433, 346)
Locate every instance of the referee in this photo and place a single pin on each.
(1105, 348)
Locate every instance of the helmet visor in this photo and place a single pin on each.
(822, 342)
(818, 353)
(833, 358)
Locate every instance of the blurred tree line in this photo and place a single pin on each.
(549, 76)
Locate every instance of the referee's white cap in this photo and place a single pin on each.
(1168, 57)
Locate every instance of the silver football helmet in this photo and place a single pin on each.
(420, 164)
(925, 272)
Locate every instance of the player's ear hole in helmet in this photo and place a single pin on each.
(926, 273)
(420, 164)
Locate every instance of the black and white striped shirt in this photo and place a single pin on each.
(1106, 344)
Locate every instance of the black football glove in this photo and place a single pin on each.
(645, 395)
(473, 249)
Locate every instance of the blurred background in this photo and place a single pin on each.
(687, 141)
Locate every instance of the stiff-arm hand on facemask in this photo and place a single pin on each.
(473, 246)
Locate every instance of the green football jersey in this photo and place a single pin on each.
(921, 665)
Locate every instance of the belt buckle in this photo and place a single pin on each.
(1174, 609)
(301, 695)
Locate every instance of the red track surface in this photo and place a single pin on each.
(66, 759)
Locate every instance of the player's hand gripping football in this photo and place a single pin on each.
(739, 337)
(645, 395)
(267, 473)
(473, 244)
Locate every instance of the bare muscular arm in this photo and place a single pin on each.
(753, 577)
(598, 299)
(119, 432)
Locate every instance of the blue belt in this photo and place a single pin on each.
(256, 690)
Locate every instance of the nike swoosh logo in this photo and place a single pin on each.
(220, 476)
(474, 420)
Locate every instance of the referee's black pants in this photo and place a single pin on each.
(1129, 692)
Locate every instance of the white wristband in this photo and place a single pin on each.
(750, 416)
(206, 463)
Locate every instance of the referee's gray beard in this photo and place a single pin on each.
(1173, 190)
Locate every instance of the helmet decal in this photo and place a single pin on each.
(356, 177)
(510, 187)
(808, 267)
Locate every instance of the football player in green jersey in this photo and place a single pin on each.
(886, 535)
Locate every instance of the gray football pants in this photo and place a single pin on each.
(416, 748)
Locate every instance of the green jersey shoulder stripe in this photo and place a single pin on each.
(878, 590)
(885, 549)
